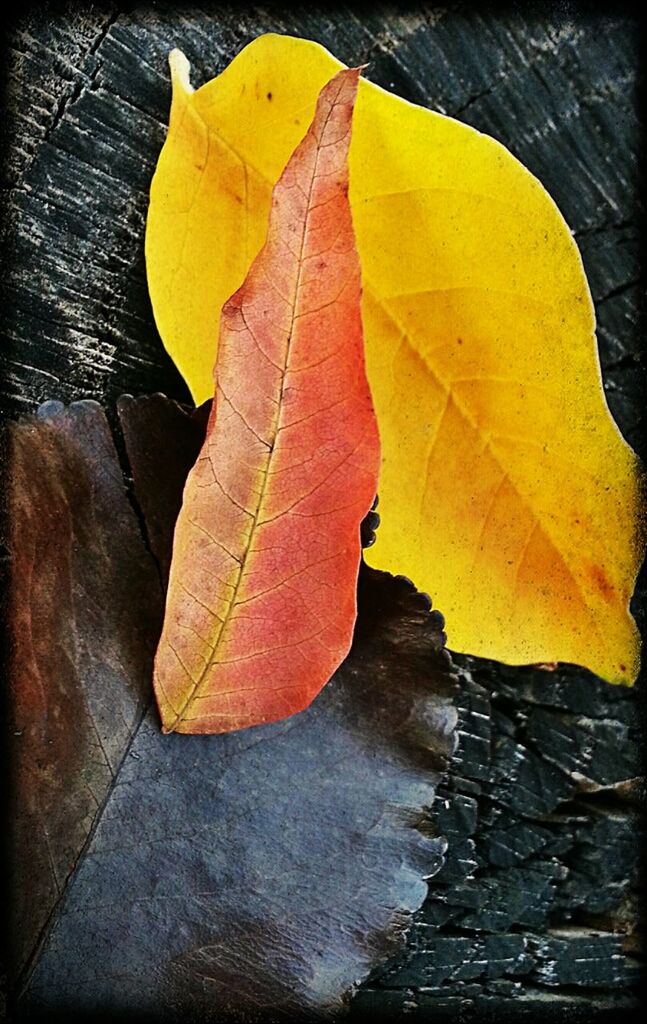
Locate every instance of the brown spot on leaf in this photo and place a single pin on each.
(602, 583)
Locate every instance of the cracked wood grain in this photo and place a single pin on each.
(536, 899)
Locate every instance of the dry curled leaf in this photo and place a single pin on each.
(503, 474)
(261, 601)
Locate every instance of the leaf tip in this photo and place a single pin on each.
(180, 71)
(167, 722)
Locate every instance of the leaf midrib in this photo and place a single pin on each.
(199, 682)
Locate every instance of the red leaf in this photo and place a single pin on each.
(262, 592)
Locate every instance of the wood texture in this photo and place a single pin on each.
(88, 98)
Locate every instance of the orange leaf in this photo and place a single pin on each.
(262, 592)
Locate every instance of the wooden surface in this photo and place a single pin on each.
(534, 911)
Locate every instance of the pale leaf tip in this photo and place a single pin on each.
(180, 70)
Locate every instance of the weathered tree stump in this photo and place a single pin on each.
(535, 908)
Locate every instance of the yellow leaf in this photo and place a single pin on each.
(506, 490)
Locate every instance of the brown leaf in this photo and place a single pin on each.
(160, 470)
(264, 871)
(79, 659)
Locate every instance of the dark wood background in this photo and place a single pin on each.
(535, 910)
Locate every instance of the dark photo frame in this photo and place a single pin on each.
(533, 902)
